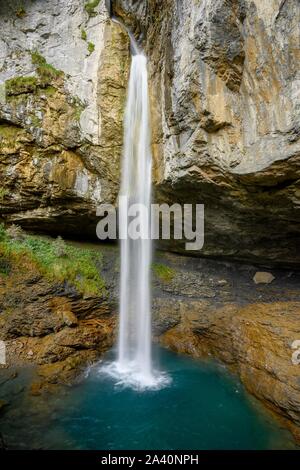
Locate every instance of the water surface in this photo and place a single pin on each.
(204, 407)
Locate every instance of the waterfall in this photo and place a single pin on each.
(134, 364)
(134, 346)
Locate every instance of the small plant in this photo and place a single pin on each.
(91, 47)
(90, 7)
(78, 107)
(83, 34)
(46, 71)
(20, 12)
(60, 247)
(3, 193)
(19, 85)
(16, 233)
(2, 232)
(163, 272)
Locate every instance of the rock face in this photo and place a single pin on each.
(63, 71)
(51, 325)
(225, 97)
(211, 309)
(224, 82)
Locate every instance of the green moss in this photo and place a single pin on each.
(35, 120)
(8, 132)
(3, 193)
(46, 71)
(91, 47)
(83, 34)
(79, 266)
(90, 7)
(163, 272)
(78, 106)
(49, 90)
(20, 12)
(19, 85)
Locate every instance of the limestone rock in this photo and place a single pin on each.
(252, 328)
(61, 110)
(50, 325)
(225, 110)
(262, 277)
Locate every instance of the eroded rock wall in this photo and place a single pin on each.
(63, 75)
(224, 85)
(225, 96)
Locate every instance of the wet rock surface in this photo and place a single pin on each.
(214, 309)
(52, 326)
(201, 307)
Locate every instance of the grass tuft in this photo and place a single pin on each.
(19, 85)
(91, 47)
(46, 71)
(79, 267)
(20, 12)
(90, 7)
(163, 272)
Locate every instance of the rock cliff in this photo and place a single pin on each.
(225, 89)
(224, 84)
(63, 74)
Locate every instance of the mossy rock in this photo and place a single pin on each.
(91, 47)
(10, 134)
(46, 72)
(19, 85)
(3, 193)
(90, 7)
(163, 272)
(79, 267)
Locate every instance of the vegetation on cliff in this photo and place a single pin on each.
(19, 85)
(79, 267)
(163, 272)
(90, 7)
(46, 71)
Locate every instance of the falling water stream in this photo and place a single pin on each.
(134, 364)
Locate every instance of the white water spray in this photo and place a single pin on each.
(134, 363)
(134, 349)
